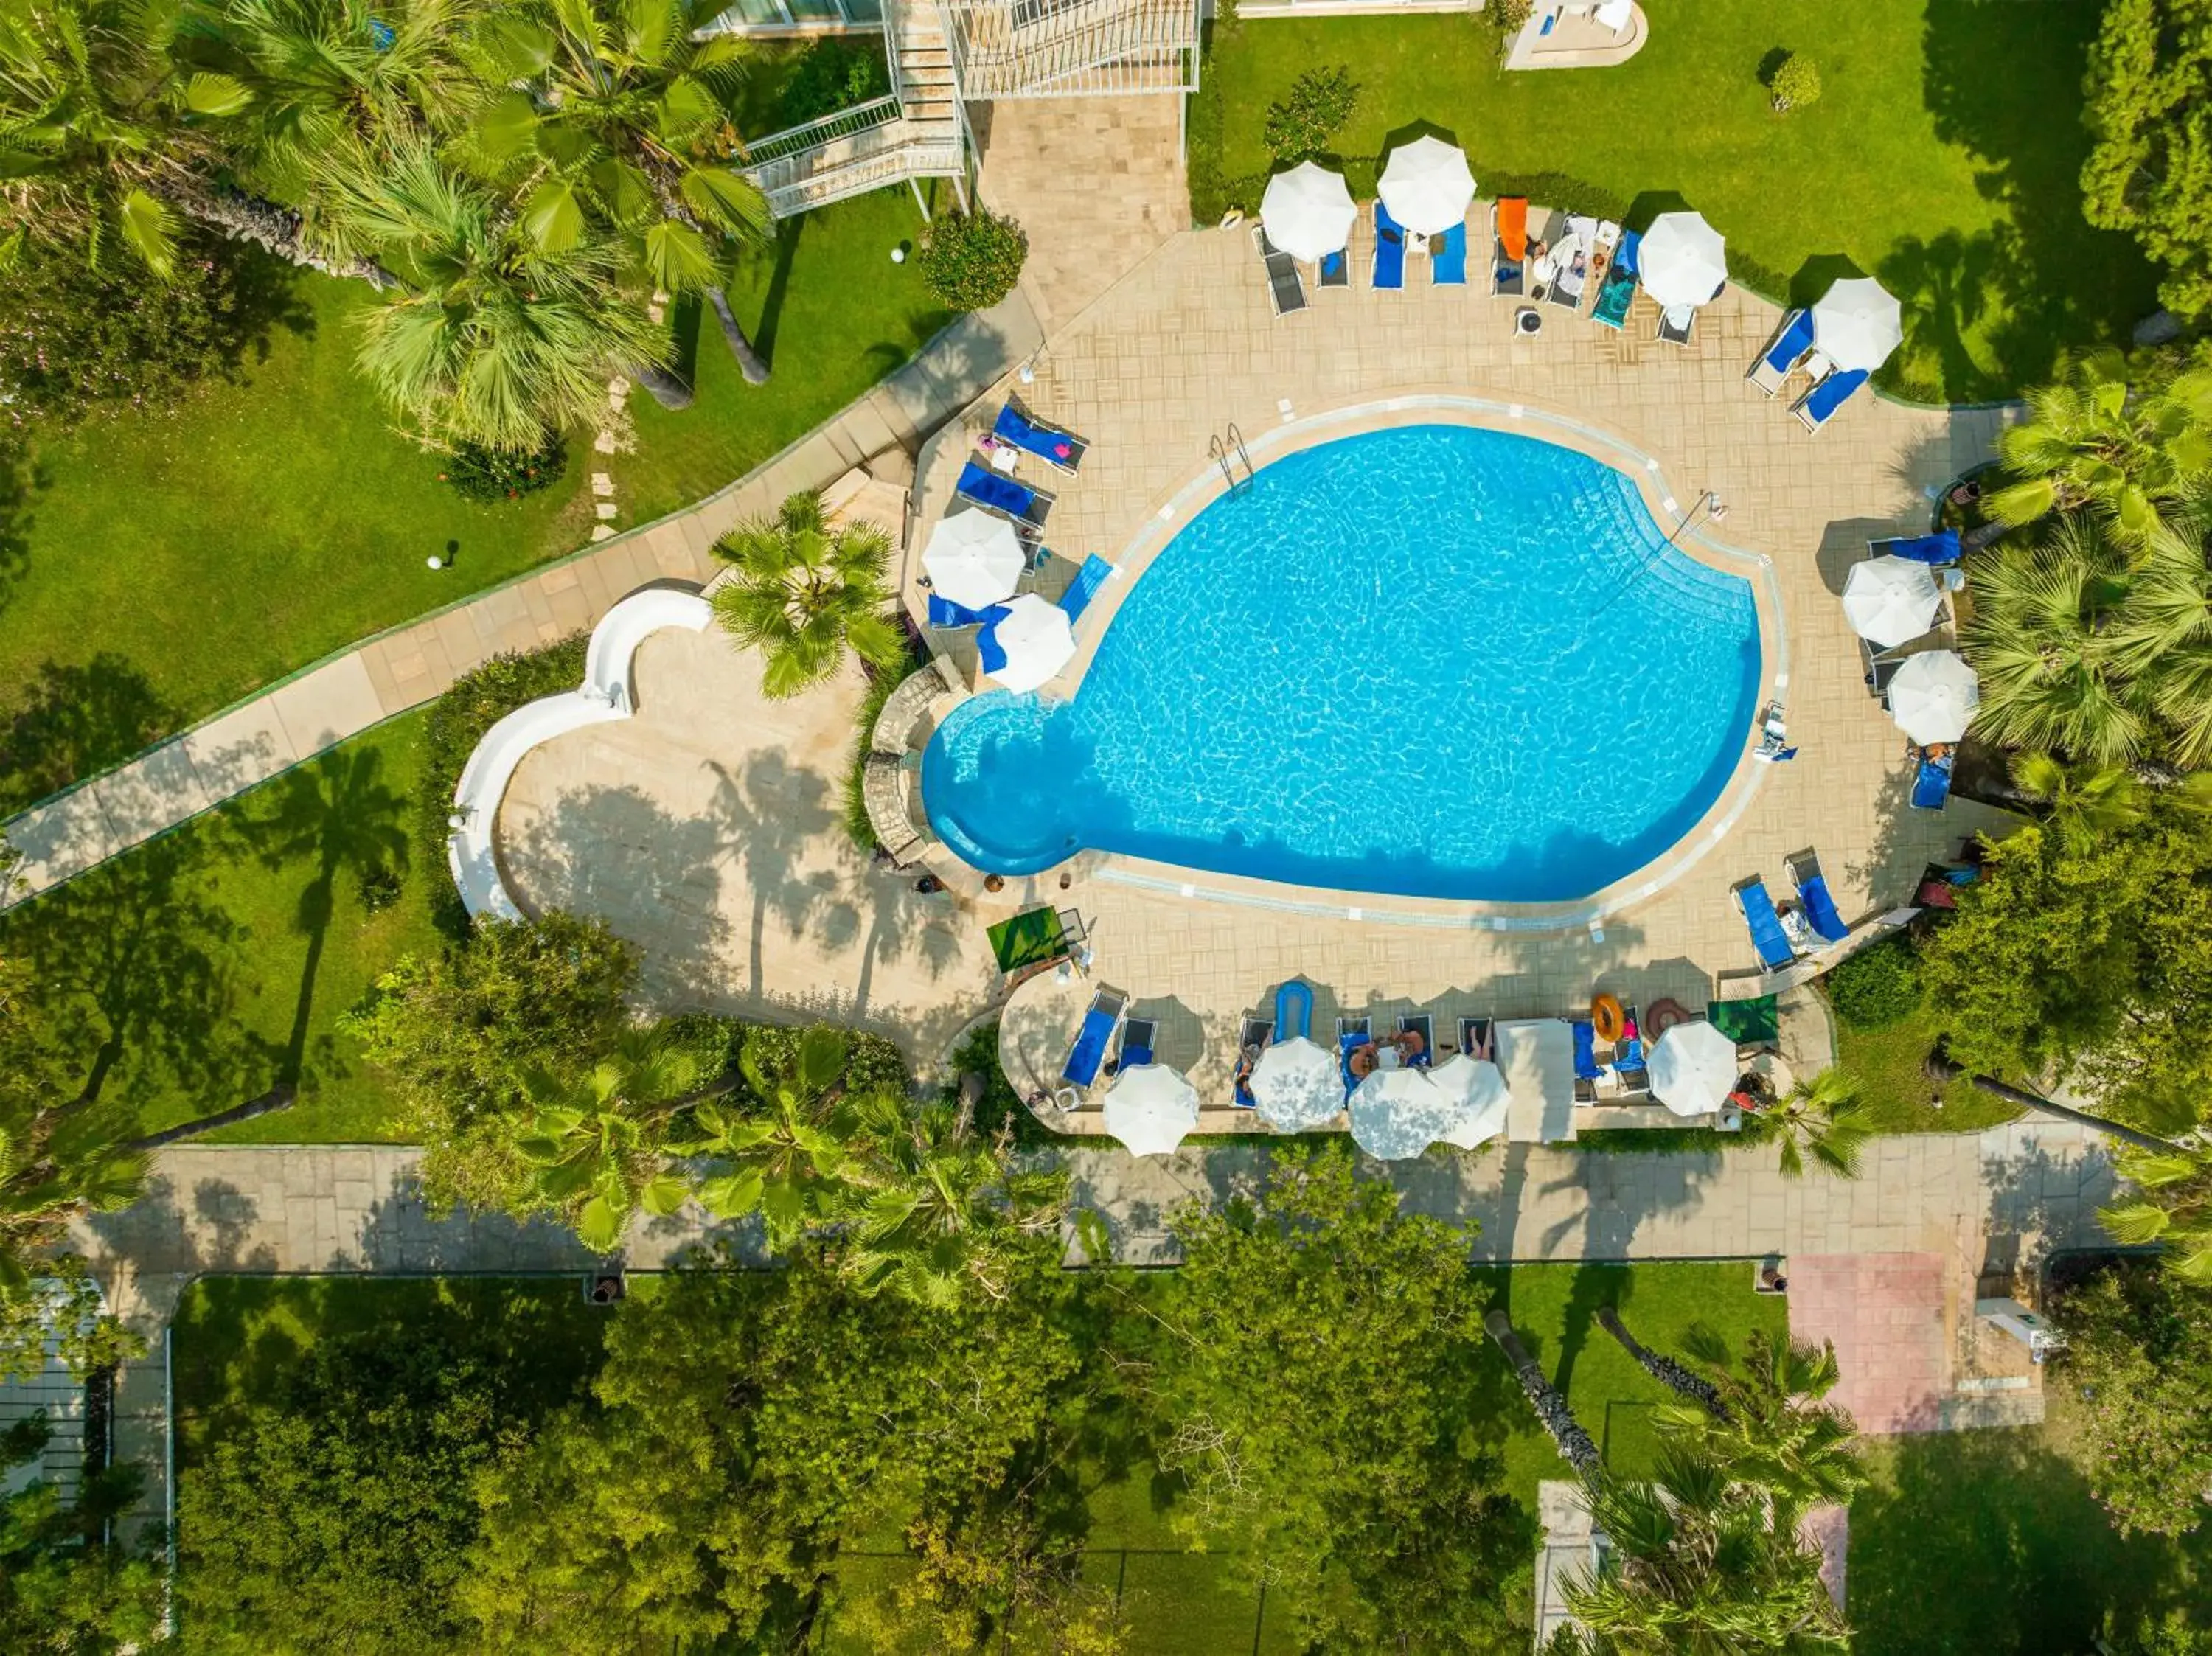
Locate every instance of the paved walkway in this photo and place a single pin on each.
(300, 717)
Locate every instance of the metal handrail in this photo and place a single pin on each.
(1251, 472)
(843, 123)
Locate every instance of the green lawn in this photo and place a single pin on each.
(1894, 1093)
(154, 568)
(1942, 155)
(1988, 1542)
(210, 965)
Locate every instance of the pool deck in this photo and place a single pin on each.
(1185, 346)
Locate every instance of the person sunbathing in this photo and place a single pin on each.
(1363, 1060)
(1411, 1045)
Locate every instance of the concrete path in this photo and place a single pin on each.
(61, 837)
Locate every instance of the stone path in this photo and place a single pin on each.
(292, 721)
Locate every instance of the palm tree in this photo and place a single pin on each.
(1574, 1444)
(804, 593)
(2163, 637)
(1672, 1375)
(1819, 1118)
(948, 1212)
(1697, 1566)
(2041, 641)
(595, 1141)
(2081, 806)
(618, 116)
(2089, 442)
(790, 1162)
(490, 339)
(1939, 1067)
(2174, 1211)
(1772, 1427)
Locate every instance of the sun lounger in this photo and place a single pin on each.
(1587, 1069)
(1475, 1037)
(1767, 935)
(1049, 444)
(1935, 550)
(1094, 573)
(987, 488)
(1390, 249)
(1813, 892)
(1569, 278)
(1137, 1037)
(1675, 322)
(1617, 291)
(1284, 287)
(1251, 1040)
(1792, 343)
(1447, 265)
(1422, 1024)
(1088, 1053)
(1509, 267)
(943, 613)
(1931, 783)
(1336, 269)
(1880, 665)
(1818, 406)
(1293, 1009)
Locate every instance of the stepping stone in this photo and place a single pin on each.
(601, 484)
(606, 510)
(602, 533)
(603, 443)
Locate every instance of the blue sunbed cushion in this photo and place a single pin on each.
(1820, 908)
(986, 641)
(1825, 399)
(1133, 1056)
(1585, 1049)
(1628, 1054)
(987, 488)
(1447, 268)
(1293, 1009)
(1766, 933)
(1094, 574)
(1013, 427)
(1796, 339)
(943, 612)
(1941, 547)
(1932, 786)
(1390, 249)
(1332, 264)
(1624, 261)
(1090, 1049)
(1349, 1042)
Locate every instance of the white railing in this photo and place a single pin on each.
(843, 123)
(1067, 48)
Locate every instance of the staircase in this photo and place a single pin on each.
(995, 49)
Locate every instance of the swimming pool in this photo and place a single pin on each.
(1435, 661)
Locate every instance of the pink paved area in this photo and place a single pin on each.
(1885, 1313)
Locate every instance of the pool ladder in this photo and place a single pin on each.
(1222, 449)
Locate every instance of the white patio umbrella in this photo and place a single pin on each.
(1398, 1113)
(1308, 212)
(974, 558)
(1693, 1068)
(1479, 1095)
(1149, 1108)
(1856, 324)
(1295, 1085)
(1934, 695)
(1890, 600)
(1426, 186)
(1033, 640)
(1682, 260)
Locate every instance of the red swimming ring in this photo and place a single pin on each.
(1663, 1014)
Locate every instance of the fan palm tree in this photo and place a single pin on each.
(2041, 642)
(2081, 806)
(2173, 1209)
(2088, 442)
(490, 339)
(788, 1161)
(948, 1213)
(595, 1141)
(2163, 637)
(618, 116)
(1697, 1567)
(1575, 1445)
(804, 594)
(1682, 1382)
(1819, 1118)
(1772, 1427)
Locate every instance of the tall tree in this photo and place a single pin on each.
(2139, 1364)
(1313, 1363)
(1819, 1119)
(1684, 1382)
(2081, 805)
(2150, 119)
(68, 1588)
(805, 594)
(790, 1159)
(597, 1140)
(618, 116)
(2132, 455)
(1774, 1427)
(2162, 638)
(2171, 1207)
(1576, 1446)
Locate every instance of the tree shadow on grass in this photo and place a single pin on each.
(74, 721)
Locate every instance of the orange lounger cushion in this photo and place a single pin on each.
(1513, 226)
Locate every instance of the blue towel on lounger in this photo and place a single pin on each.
(1447, 268)
(943, 612)
(1932, 786)
(1935, 550)
(1585, 1050)
(1823, 399)
(1796, 339)
(1820, 908)
(1090, 1049)
(1094, 574)
(1766, 933)
(987, 488)
(1024, 434)
(1390, 249)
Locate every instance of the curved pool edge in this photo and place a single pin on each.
(1168, 515)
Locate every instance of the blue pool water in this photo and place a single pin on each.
(1433, 661)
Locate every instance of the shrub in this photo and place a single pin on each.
(972, 260)
(1321, 101)
(1877, 986)
(1000, 1109)
(853, 806)
(1794, 82)
(379, 889)
(831, 74)
(1509, 16)
(488, 476)
(872, 1063)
